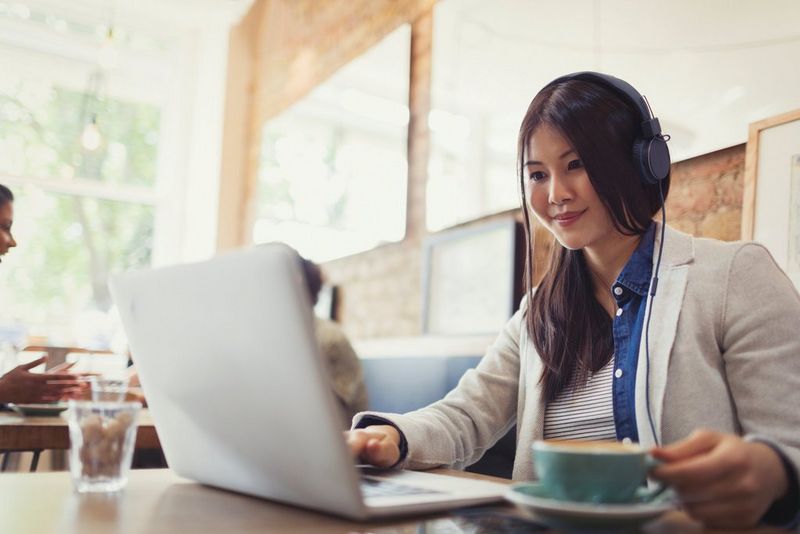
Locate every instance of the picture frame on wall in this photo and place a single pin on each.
(471, 278)
(771, 206)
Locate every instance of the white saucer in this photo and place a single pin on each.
(533, 498)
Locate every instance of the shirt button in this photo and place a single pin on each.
(619, 312)
(627, 441)
(618, 291)
(618, 373)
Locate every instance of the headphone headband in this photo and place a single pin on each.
(650, 151)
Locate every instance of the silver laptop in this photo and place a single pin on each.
(240, 397)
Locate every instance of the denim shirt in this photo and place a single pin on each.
(630, 292)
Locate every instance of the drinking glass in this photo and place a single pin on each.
(108, 389)
(102, 437)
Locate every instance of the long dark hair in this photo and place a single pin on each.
(312, 275)
(570, 329)
(5, 195)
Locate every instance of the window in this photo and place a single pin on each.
(80, 214)
(475, 112)
(333, 169)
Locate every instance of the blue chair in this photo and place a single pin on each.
(403, 384)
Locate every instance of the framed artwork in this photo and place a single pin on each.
(470, 279)
(771, 208)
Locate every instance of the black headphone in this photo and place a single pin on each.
(650, 152)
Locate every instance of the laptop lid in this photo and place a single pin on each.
(237, 390)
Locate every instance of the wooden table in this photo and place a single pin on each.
(32, 433)
(158, 501)
(36, 434)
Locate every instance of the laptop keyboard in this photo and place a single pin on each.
(371, 487)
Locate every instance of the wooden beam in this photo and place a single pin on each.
(237, 136)
(419, 96)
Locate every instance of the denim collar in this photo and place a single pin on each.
(637, 272)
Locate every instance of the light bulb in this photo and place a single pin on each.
(108, 56)
(91, 138)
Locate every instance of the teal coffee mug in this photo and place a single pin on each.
(594, 471)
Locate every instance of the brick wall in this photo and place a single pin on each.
(706, 194)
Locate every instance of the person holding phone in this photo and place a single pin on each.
(711, 384)
(20, 385)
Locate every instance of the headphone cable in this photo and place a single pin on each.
(653, 288)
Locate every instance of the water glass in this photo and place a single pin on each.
(108, 389)
(102, 438)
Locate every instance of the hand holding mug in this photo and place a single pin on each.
(723, 480)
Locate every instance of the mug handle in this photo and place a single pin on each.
(652, 493)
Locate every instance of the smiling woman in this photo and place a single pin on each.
(6, 220)
(20, 385)
(581, 359)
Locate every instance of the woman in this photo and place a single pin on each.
(20, 385)
(714, 379)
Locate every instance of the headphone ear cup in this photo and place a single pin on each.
(651, 158)
(640, 162)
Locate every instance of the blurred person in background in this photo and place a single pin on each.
(20, 385)
(344, 367)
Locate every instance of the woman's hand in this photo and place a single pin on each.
(376, 445)
(20, 385)
(722, 480)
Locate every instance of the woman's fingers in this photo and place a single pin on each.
(373, 447)
(701, 470)
(702, 458)
(59, 377)
(355, 442)
(382, 452)
(49, 392)
(35, 363)
(65, 383)
(698, 442)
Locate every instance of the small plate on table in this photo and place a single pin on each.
(534, 499)
(45, 409)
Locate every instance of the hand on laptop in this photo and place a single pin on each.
(376, 445)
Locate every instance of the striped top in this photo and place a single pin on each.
(585, 413)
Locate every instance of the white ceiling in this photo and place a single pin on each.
(708, 68)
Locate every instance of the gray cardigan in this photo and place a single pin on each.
(724, 355)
